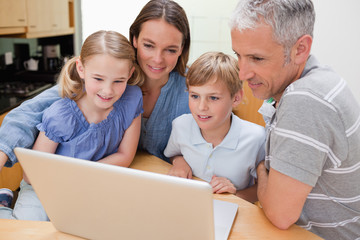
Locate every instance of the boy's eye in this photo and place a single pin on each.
(194, 96)
(98, 79)
(213, 98)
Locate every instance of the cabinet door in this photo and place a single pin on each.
(59, 15)
(12, 13)
(47, 15)
(38, 16)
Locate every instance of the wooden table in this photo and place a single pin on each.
(250, 222)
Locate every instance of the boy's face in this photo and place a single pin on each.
(211, 106)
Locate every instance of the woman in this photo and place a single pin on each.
(161, 37)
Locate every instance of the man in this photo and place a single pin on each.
(311, 175)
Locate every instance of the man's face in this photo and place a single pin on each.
(262, 62)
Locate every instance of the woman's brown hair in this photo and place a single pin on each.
(173, 14)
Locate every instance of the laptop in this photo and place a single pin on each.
(102, 201)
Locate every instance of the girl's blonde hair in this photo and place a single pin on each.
(101, 42)
(215, 64)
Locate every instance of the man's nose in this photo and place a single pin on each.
(245, 70)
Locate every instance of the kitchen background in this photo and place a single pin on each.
(336, 41)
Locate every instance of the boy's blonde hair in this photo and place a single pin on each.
(101, 42)
(215, 64)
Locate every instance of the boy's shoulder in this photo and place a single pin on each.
(247, 127)
(183, 120)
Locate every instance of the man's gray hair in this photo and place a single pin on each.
(289, 19)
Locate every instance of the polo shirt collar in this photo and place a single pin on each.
(231, 139)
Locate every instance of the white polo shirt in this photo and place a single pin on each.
(235, 158)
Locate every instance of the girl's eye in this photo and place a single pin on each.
(98, 79)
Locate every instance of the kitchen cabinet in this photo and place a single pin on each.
(12, 16)
(48, 18)
(43, 18)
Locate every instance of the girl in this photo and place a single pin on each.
(99, 116)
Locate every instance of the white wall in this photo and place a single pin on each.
(336, 37)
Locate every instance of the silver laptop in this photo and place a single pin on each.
(101, 201)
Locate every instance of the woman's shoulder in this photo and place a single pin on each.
(61, 106)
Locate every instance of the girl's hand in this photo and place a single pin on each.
(222, 185)
(180, 168)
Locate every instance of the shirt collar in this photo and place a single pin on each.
(231, 139)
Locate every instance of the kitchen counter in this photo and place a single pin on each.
(9, 102)
(17, 87)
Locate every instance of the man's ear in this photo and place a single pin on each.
(301, 49)
(80, 68)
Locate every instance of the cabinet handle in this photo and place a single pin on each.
(54, 25)
(21, 20)
(32, 26)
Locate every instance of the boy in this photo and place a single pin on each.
(215, 144)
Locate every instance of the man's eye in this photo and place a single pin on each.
(258, 59)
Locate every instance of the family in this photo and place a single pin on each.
(123, 94)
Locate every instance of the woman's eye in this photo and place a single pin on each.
(146, 45)
(172, 50)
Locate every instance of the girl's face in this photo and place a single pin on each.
(211, 106)
(105, 79)
(159, 46)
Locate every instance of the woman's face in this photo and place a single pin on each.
(159, 46)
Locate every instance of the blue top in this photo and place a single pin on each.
(172, 102)
(19, 126)
(235, 158)
(64, 123)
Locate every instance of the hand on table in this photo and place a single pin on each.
(222, 185)
(180, 168)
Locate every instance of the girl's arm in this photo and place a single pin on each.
(44, 144)
(128, 146)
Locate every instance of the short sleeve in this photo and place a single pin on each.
(173, 149)
(59, 122)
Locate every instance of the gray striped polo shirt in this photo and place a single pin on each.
(314, 137)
